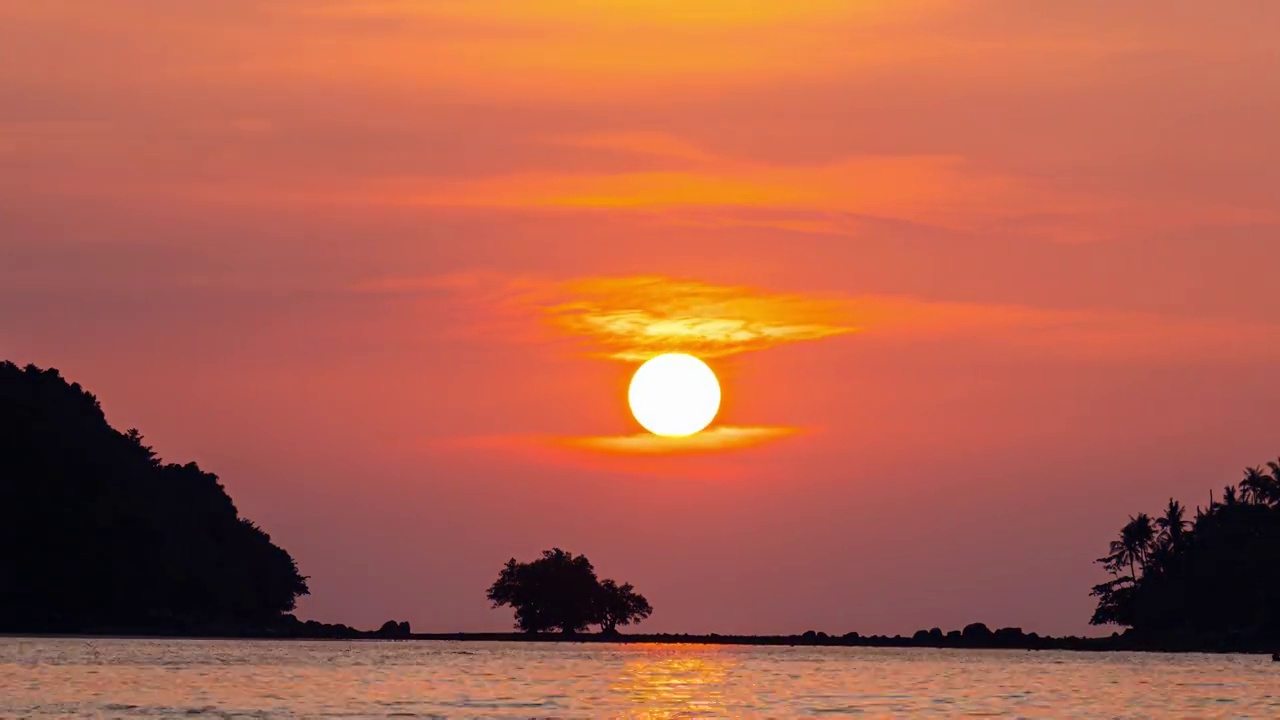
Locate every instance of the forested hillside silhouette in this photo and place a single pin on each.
(100, 535)
(1210, 580)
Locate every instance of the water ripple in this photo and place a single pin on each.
(121, 679)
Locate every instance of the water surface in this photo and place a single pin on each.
(107, 678)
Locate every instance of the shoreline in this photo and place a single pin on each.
(1029, 643)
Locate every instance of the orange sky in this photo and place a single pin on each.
(980, 279)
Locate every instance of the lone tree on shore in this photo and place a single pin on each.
(620, 605)
(560, 591)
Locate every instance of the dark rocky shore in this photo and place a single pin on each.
(973, 637)
(976, 636)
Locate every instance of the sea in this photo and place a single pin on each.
(136, 678)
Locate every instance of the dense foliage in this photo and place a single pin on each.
(99, 534)
(560, 591)
(1216, 576)
(619, 605)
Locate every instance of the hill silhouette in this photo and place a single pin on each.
(100, 535)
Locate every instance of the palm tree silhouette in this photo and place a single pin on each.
(1271, 493)
(1134, 544)
(1229, 495)
(1172, 525)
(1256, 486)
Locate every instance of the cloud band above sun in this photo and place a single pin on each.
(636, 318)
(631, 319)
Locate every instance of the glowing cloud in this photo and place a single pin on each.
(717, 438)
(635, 318)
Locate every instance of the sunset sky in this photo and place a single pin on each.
(979, 279)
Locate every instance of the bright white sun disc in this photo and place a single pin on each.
(674, 395)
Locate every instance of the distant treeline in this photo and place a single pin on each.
(973, 636)
(1211, 581)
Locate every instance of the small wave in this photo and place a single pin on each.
(498, 704)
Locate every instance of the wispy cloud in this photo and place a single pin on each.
(640, 143)
(635, 318)
(723, 437)
(632, 318)
(942, 189)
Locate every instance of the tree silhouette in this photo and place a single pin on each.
(619, 605)
(1253, 486)
(1215, 579)
(556, 591)
(100, 534)
(560, 591)
(1172, 525)
(1132, 547)
(1260, 487)
(1229, 495)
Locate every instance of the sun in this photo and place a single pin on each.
(674, 395)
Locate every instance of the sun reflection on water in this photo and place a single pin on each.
(671, 681)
